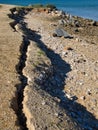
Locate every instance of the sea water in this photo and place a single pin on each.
(82, 8)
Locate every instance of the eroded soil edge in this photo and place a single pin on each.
(39, 92)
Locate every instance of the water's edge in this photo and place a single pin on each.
(83, 11)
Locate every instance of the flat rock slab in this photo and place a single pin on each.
(62, 33)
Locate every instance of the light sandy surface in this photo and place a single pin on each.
(82, 80)
(59, 76)
(76, 58)
(9, 57)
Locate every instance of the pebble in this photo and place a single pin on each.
(68, 96)
(56, 114)
(94, 23)
(57, 99)
(83, 97)
(43, 103)
(86, 74)
(77, 40)
(89, 92)
(81, 83)
(76, 30)
(9, 82)
(63, 53)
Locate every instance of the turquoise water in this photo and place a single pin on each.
(83, 8)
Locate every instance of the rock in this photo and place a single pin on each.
(62, 22)
(60, 32)
(68, 96)
(69, 48)
(81, 83)
(18, 27)
(54, 35)
(58, 13)
(63, 53)
(53, 24)
(43, 103)
(56, 114)
(89, 92)
(81, 60)
(76, 30)
(77, 40)
(15, 13)
(57, 99)
(77, 24)
(83, 97)
(94, 23)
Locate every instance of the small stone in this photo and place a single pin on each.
(83, 97)
(77, 40)
(76, 30)
(56, 114)
(57, 99)
(77, 24)
(61, 22)
(69, 96)
(63, 53)
(69, 48)
(94, 23)
(9, 82)
(43, 103)
(89, 92)
(86, 74)
(83, 73)
(80, 83)
(54, 35)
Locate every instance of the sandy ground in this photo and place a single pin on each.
(82, 80)
(67, 98)
(9, 57)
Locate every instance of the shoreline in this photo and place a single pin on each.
(86, 16)
(66, 10)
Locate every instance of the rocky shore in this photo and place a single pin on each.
(57, 70)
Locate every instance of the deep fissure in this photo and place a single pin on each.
(21, 119)
(20, 88)
(21, 65)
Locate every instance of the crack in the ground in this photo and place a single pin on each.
(21, 119)
(74, 110)
(21, 87)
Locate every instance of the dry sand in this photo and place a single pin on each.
(65, 98)
(9, 57)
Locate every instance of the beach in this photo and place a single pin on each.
(49, 70)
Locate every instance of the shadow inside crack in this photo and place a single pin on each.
(16, 103)
(54, 85)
